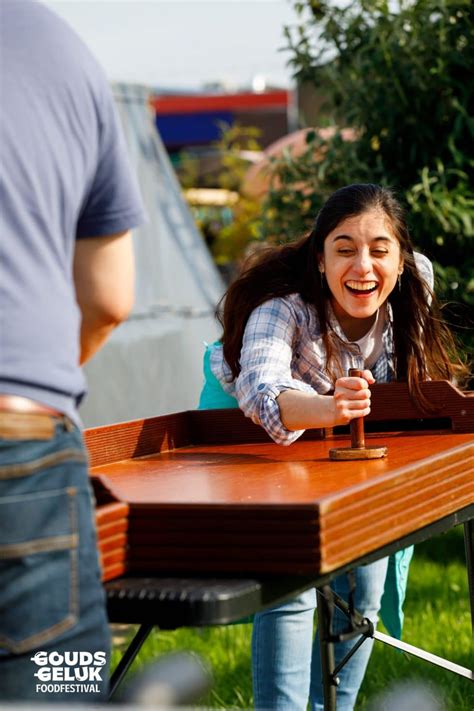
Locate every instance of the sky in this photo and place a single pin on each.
(185, 44)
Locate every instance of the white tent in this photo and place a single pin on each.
(152, 364)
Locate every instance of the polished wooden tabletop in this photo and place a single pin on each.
(249, 474)
(266, 508)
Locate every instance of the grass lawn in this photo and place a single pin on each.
(437, 619)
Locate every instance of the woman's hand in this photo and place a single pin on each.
(352, 398)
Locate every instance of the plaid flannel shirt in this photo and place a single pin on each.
(283, 349)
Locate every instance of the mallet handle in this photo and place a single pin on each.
(357, 424)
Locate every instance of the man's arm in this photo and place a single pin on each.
(104, 276)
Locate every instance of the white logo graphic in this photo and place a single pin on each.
(70, 672)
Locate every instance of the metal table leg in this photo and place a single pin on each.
(469, 546)
(325, 609)
(131, 652)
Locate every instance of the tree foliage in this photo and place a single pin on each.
(228, 228)
(402, 77)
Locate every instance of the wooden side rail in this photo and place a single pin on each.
(137, 438)
(392, 401)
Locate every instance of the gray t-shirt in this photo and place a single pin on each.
(64, 176)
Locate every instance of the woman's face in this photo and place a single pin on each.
(361, 262)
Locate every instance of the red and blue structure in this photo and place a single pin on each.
(194, 119)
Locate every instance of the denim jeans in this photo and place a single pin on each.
(286, 662)
(51, 597)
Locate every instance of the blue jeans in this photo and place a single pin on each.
(51, 597)
(286, 662)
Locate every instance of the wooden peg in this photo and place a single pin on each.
(357, 450)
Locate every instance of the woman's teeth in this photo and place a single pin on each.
(361, 285)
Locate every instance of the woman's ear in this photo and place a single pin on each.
(321, 264)
(401, 263)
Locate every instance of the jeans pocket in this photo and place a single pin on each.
(38, 567)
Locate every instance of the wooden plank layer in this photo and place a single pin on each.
(112, 539)
(274, 539)
(164, 566)
(285, 556)
(119, 555)
(115, 570)
(113, 528)
(394, 525)
(221, 521)
(440, 473)
(439, 494)
(111, 512)
(106, 545)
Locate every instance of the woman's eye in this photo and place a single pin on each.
(345, 251)
(379, 252)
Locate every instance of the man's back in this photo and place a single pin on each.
(59, 147)
(67, 203)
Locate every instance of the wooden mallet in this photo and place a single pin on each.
(357, 450)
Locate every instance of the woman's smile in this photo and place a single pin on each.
(361, 288)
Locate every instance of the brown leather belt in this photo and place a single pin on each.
(22, 418)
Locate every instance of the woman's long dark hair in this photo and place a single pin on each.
(424, 347)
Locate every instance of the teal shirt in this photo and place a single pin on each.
(213, 397)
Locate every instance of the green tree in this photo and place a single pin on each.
(401, 75)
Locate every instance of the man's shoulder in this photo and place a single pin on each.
(55, 50)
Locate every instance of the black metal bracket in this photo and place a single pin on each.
(358, 627)
(126, 661)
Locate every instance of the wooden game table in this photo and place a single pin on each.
(202, 519)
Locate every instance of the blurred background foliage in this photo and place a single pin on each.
(230, 221)
(400, 75)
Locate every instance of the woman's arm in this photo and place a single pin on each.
(268, 393)
(302, 410)
(265, 360)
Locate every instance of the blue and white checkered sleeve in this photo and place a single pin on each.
(265, 362)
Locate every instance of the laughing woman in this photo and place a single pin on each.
(350, 294)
